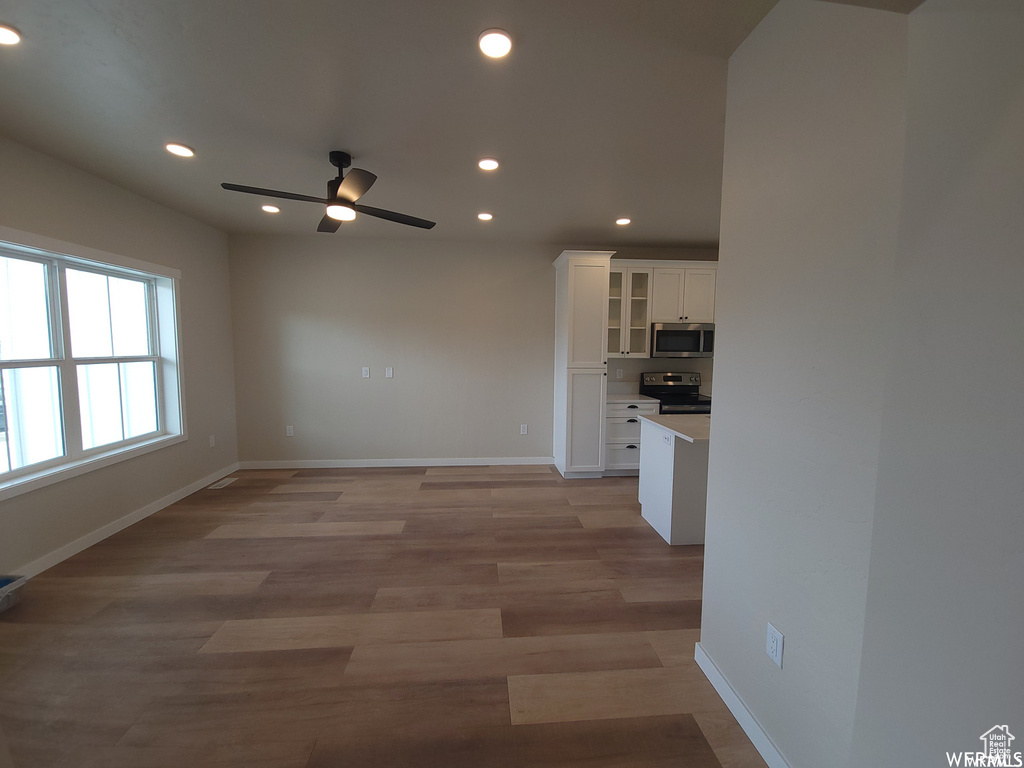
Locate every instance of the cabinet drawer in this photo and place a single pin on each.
(632, 409)
(622, 455)
(622, 429)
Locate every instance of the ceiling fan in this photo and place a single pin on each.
(342, 193)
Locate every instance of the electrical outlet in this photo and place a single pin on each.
(773, 645)
(289, 431)
(389, 373)
(366, 373)
(667, 439)
(522, 429)
(213, 440)
(618, 373)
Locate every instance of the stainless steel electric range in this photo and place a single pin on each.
(678, 392)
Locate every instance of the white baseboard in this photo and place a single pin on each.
(758, 736)
(63, 553)
(365, 463)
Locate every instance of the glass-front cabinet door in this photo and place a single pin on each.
(629, 312)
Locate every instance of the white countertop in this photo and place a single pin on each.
(630, 398)
(692, 427)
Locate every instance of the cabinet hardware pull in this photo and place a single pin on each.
(632, 447)
(632, 406)
(632, 421)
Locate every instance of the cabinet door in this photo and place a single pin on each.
(629, 313)
(636, 313)
(588, 305)
(585, 444)
(699, 296)
(617, 292)
(667, 295)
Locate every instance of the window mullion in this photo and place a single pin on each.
(153, 322)
(69, 400)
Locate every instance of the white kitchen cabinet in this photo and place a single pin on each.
(673, 480)
(622, 431)
(699, 296)
(629, 312)
(581, 306)
(585, 306)
(683, 295)
(585, 409)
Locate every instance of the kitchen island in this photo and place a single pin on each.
(674, 475)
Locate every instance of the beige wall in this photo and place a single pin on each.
(45, 197)
(467, 328)
(810, 216)
(865, 485)
(944, 625)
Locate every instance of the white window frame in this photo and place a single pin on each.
(162, 292)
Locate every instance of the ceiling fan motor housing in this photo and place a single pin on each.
(340, 159)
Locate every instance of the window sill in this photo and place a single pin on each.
(57, 474)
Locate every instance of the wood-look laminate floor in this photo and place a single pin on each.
(470, 617)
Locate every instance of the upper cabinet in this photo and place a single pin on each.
(629, 312)
(683, 295)
(582, 311)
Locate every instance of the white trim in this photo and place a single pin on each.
(39, 565)
(58, 473)
(755, 732)
(363, 463)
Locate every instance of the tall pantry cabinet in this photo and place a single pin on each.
(581, 361)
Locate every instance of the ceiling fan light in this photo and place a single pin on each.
(270, 208)
(488, 164)
(9, 35)
(495, 43)
(485, 216)
(180, 150)
(341, 212)
(622, 222)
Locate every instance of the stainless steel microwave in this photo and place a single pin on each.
(682, 340)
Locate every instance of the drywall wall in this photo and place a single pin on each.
(944, 623)
(46, 197)
(467, 328)
(810, 213)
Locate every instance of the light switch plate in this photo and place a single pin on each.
(773, 645)
(389, 373)
(366, 373)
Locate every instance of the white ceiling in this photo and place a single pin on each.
(604, 108)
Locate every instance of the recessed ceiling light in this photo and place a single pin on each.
(341, 212)
(622, 222)
(488, 164)
(495, 43)
(271, 208)
(484, 216)
(9, 35)
(180, 150)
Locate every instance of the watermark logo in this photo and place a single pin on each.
(996, 752)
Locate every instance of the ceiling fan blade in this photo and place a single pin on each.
(273, 193)
(355, 184)
(327, 224)
(401, 218)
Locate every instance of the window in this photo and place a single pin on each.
(88, 362)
